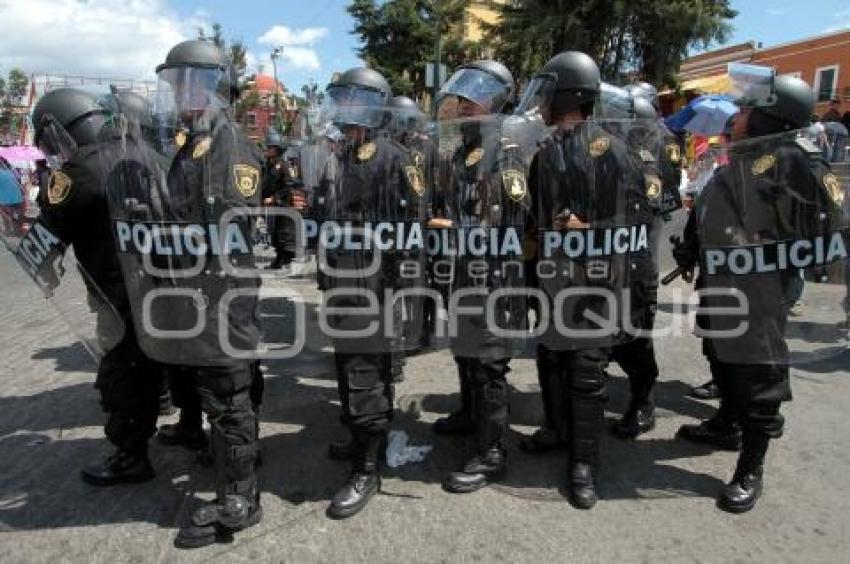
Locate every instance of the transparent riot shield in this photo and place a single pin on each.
(771, 227)
(371, 201)
(183, 227)
(481, 205)
(592, 220)
(88, 304)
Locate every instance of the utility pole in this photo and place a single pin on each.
(438, 54)
(278, 117)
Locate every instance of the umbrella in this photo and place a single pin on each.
(21, 153)
(705, 115)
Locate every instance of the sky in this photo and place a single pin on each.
(128, 38)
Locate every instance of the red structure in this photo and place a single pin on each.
(261, 115)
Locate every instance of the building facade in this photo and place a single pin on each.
(262, 112)
(823, 61)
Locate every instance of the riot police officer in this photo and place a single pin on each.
(585, 186)
(278, 178)
(205, 280)
(71, 125)
(774, 192)
(645, 138)
(371, 185)
(486, 190)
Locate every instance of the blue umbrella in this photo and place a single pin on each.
(705, 115)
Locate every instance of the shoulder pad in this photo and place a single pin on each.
(807, 146)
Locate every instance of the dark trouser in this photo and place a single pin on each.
(365, 383)
(487, 394)
(283, 238)
(580, 375)
(129, 384)
(464, 373)
(184, 392)
(226, 399)
(637, 359)
(556, 410)
(752, 395)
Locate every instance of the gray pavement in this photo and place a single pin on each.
(657, 492)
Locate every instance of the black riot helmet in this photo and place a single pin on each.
(570, 81)
(65, 119)
(406, 115)
(643, 108)
(793, 104)
(132, 106)
(644, 90)
(273, 139)
(196, 75)
(614, 103)
(487, 83)
(359, 97)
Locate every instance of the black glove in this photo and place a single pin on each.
(684, 254)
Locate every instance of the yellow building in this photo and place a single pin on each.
(478, 12)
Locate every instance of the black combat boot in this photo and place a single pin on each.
(490, 400)
(707, 391)
(636, 421)
(740, 495)
(188, 432)
(122, 467)
(582, 485)
(478, 471)
(217, 521)
(459, 422)
(717, 432)
(587, 421)
(365, 478)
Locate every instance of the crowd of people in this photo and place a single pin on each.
(550, 203)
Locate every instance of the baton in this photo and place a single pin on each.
(673, 275)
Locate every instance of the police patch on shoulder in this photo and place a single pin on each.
(514, 182)
(763, 164)
(474, 157)
(58, 187)
(599, 146)
(247, 179)
(646, 156)
(417, 158)
(674, 154)
(416, 179)
(201, 148)
(833, 188)
(366, 151)
(653, 186)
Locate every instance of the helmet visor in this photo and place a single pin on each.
(189, 89)
(614, 103)
(538, 95)
(54, 140)
(477, 86)
(751, 85)
(355, 105)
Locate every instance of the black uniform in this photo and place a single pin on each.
(76, 210)
(659, 157)
(370, 186)
(590, 174)
(487, 190)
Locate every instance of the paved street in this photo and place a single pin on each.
(657, 492)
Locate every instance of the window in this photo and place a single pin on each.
(826, 79)
(795, 74)
(252, 119)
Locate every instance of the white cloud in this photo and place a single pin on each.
(283, 35)
(301, 57)
(297, 44)
(98, 38)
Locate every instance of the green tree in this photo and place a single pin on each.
(398, 38)
(649, 38)
(12, 92)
